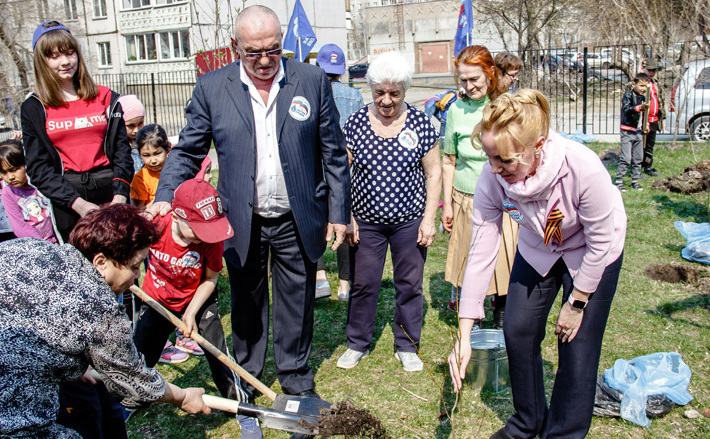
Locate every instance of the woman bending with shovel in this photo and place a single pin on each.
(59, 314)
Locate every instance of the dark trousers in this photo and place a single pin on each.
(152, 330)
(343, 254)
(293, 278)
(95, 186)
(650, 143)
(90, 410)
(530, 299)
(367, 261)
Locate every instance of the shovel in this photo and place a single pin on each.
(269, 418)
(286, 409)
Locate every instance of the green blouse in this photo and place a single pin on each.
(462, 118)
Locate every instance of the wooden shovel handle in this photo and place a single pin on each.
(251, 379)
(224, 404)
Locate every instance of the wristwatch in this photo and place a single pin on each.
(579, 304)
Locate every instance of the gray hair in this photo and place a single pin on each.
(392, 68)
(257, 16)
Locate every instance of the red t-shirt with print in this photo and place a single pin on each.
(174, 272)
(78, 129)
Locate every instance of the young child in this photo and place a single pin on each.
(28, 211)
(134, 118)
(153, 145)
(182, 275)
(632, 104)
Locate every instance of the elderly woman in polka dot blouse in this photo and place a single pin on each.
(396, 183)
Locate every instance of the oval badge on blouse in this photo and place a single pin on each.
(513, 211)
(408, 139)
(300, 108)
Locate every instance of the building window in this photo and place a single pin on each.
(168, 2)
(135, 4)
(104, 54)
(70, 10)
(141, 47)
(100, 9)
(174, 44)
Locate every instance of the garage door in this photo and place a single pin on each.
(435, 58)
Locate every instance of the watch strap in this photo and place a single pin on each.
(576, 303)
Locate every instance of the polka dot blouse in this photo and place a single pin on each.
(388, 185)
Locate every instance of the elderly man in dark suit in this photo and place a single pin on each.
(284, 180)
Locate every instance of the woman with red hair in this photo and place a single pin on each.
(463, 161)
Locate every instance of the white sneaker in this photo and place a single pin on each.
(323, 289)
(343, 294)
(350, 358)
(410, 361)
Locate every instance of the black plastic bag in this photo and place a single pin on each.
(607, 402)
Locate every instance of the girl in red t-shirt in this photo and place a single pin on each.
(77, 151)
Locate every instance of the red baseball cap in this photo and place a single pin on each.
(198, 203)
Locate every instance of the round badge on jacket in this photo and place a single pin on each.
(408, 139)
(300, 108)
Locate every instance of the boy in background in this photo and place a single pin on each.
(632, 105)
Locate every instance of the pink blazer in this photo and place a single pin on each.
(570, 178)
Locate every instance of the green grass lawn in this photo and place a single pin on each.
(647, 316)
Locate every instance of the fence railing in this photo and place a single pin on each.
(584, 87)
(163, 94)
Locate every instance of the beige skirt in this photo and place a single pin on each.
(460, 244)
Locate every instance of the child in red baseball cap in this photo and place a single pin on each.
(182, 275)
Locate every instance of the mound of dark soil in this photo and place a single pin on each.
(344, 419)
(695, 178)
(672, 273)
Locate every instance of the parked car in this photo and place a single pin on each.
(619, 57)
(595, 60)
(358, 70)
(690, 101)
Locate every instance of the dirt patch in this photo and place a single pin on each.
(695, 178)
(672, 273)
(344, 419)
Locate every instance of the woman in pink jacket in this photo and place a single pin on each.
(572, 230)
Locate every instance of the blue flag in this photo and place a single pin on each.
(464, 28)
(300, 37)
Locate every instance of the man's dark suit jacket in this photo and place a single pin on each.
(313, 154)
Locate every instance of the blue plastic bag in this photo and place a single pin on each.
(578, 136)
(662, 372)
(698, 236)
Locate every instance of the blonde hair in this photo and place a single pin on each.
(516, 121)
(47, 84)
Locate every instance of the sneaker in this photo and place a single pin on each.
(636, 186)
(323, 289)
(186, 344)
(249, 427)
(343, 294)
(651, 171)
(171, 355)
(410, 361)
(452, 305)
(621, 187)
(351, 358)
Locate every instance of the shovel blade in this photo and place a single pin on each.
(303, 406)
(278, 420)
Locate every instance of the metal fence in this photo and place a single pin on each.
(585, 87)
(163, 94)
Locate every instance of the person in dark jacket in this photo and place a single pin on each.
(632, 105)
(73, 132)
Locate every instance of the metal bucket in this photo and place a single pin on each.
(488, 368)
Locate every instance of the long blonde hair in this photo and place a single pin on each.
(47, 84)
(516, 121)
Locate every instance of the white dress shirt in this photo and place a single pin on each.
(270, 197)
